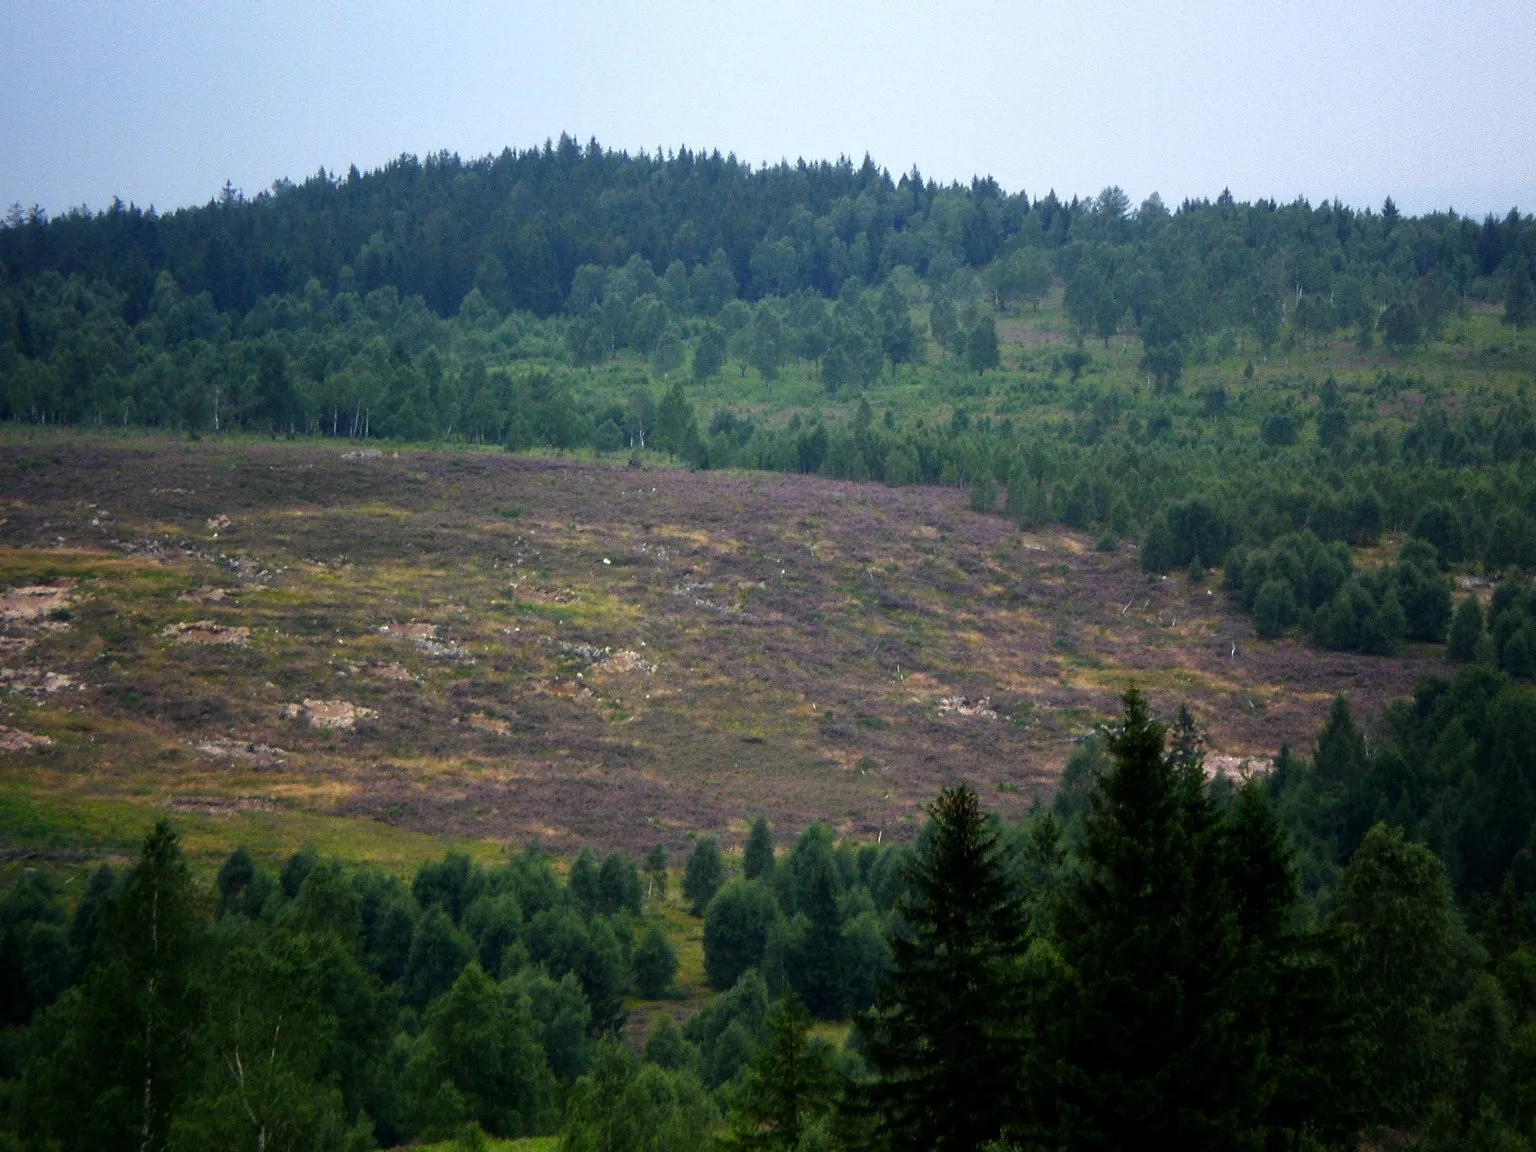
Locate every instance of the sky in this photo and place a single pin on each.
(160, 102)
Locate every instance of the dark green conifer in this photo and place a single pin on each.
(789, 1086)
(1143, 1046)
(757, 855)
(1466, 630)
(703, 875)
(946, 1037)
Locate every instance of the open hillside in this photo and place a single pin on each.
(282, 642)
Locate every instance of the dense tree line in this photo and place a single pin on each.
(1191, 475)
(814, 922)
(520, 225)
(328, 1006)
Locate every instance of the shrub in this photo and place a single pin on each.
(1274, 609)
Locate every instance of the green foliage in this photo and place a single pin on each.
(1185, 532)
(1169, 938)
(1404, 952)
(656, 870)
(37, 960)
(981, 344)
(562, 1018)
(945, 1040)
(704, 874)
(1274, 609)
(115, 1059)
(789, 1088)
(481, 1041)
(284, 1014)
(655, 963)
(667, 1046)
(757, 854)
(1466, 630)
(439, 952)
(622, 1105)
(1371, 612)
(736, 930)
(709, 352)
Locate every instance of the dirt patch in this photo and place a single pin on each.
(334, 714)
(488, 724)
(205, 596)
(15, 740)
(219, 805)
(981, 707)
(34, 603)
(257, 755)
(606, 659)
(627, 661)
(537, 595)
(567, 688)
(218, 523)
(14, 644)
(392, 672)
(414, 631)
(424, 637)
(206, 632)
(37, 681)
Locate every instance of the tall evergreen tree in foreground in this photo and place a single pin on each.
(1155, 1034)
(945, 1038)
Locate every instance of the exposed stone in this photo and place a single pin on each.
(206, 632)
(333, 714)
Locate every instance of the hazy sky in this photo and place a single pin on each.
(160, 102)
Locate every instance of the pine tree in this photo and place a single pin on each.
(819, 972)
(703, 875)
(757, 855)
(1142, 1045)
(790, 1084)
(946, 1036)
(656, 871)
(1466, 630)
(655, 963)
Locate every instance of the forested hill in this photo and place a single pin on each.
(519, 225)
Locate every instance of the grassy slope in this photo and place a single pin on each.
(806, 635)
(1476, 356)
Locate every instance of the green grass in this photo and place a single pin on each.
(526, 1144)
(56, 822)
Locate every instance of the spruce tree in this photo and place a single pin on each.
(1466, 630)
(946, 1037)
(1142, 1041)
(789, 1086)
(757, 855)
(703, 875)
